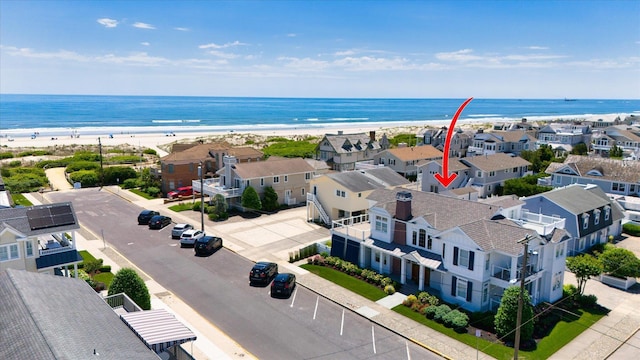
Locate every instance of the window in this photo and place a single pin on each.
(302, 192)
(276, 179)
(632, 188)
(607, 211)
(170, 168)
(461, 288)
(307, 176)
(492, 173)
(429, 242)
(286, 178)
(487, 262)
(485, 293)
(463, 257)
(479, 173)
(596, 217)
(29, 247)
(414, 238)
(559, 250)
(377, 256)
(617, 187)
(9, 252)
(381, 224)
(422, 238)
(340, 193)
(585, 221)
(582, 244)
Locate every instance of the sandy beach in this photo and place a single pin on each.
(159, 138)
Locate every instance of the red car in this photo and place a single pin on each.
(181, 191)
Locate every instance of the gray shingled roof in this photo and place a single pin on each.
(500, 236)
(442, 212)
(575, 199)
(345, 143)
(495, 162)
(53, 317)
(611, 169)
(272, 167)
(358, 181)
(505, 201)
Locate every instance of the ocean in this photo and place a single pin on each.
(87, 114)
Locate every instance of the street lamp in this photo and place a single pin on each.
(523, 275)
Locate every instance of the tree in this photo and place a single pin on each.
(91, 266)
(615, 151)
(127, 281)
(620, 262)
(525, 186)
(505, 319)
(580, 149)
(250, 199)
(584, 267)
(219, 205)
(270, 200)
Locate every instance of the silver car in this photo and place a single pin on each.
(179, 229)
(189, 237)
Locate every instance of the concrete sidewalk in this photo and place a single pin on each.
(598, 342)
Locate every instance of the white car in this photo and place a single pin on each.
(189, 237)
(177, 230)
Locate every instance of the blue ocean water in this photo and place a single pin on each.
(19, 113)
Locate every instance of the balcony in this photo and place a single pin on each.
(212, 187)
(503, 276)
(56, 251)
(355, 227)
(542, 224)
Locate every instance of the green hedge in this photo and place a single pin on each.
(631, 229)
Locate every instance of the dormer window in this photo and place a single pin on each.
(596, 217)
(585, 221)
(607, 212)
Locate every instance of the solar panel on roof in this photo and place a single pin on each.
(50, 216)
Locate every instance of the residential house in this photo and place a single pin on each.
(625, 137)
(343, 151)
(458, 145)
(484, 173)
(618, 177)
(564, 136)
(181, 167)
(344, 194)
(512, 142)
(289, 178)
(591, 216)
(39, 238)
(404, 160)
(466, 252)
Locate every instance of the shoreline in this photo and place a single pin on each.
(156, 136)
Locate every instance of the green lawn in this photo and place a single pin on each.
(105, 277)
(143, 194)
(358, 286)
(19, 199)
(181, 207)
(562, 333)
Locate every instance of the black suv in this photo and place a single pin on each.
(159, 221)
(207, 245)
(263, 272)
(145, 216)
(283, 284)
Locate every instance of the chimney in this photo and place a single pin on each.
(403, 206)
(372, 135)
(480, 131)
(340, 132)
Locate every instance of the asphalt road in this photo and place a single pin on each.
(305, 326)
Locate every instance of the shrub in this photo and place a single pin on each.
(456, 319)
(87, 178)
(569, 290)
(587, 301)
(428, 299)
(153, 191)
(430, 311)
(130, 183)
(15, 163)
(6, 155)
(631, 229)
(127, 281)
(441, 311)
(410, 300)
(389, 290)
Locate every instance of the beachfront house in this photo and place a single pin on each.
(289, 178)
(342, 151)
(511, 142)
(618, 177)
(458, 145)
(405, 160)
(564, 136)
(39, 238)
(624, 137)
(466, 252)
(591, 216)
(180, 167)
(344, 194)
(485, 173)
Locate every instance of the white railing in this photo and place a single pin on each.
(355, 227)
(323, 214)
(56, 250)
(212, 187)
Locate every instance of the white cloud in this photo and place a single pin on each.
(534, 47)
(109, 23)
(141, 25)
(345, 53)
(223, 55)
(460, 55)
(291, 35)
(181, 28)
(145, 43)
(223, 46)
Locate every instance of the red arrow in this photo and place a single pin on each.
(446, 179)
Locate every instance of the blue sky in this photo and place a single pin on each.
(376, 49)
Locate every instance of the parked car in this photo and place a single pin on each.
(207, 245)
(189, 237)
(159, 221)
(181, 191)
(262, 272)
(179, 229)
(283, 284)
(145, 216)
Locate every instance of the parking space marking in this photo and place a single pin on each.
(315, 311)
(294, 296)
(342, 323)
(408, 353)
(373, 338)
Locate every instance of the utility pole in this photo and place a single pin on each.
(523, 275)
(201, 173)
(101, 169)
